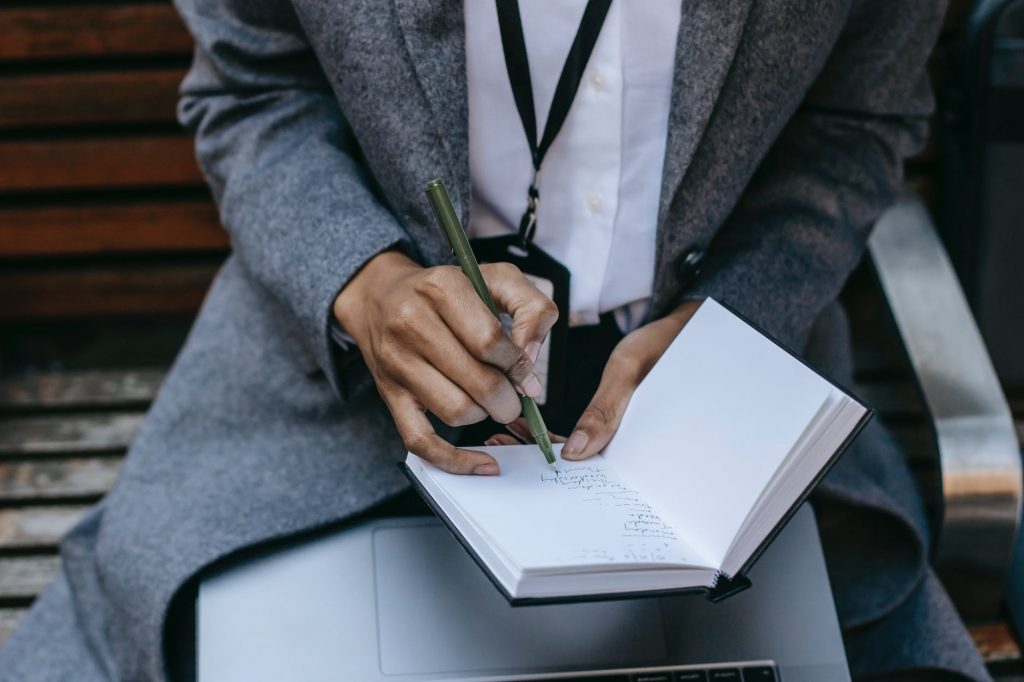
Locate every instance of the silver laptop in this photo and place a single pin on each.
(399, 599)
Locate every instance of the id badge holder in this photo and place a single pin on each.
(552, 278)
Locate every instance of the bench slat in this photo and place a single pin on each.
(22, 577)
(82, 388)
(105, 97)
(9, 618)
(37, 528)
(55, 480)
(124, 227)
(58, 434)
(995, 642)
(98, 163)
(110, 290)
(124, 29)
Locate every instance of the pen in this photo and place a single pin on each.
(445, 212)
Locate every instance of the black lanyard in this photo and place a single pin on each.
(514, 45)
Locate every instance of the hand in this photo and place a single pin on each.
(627, 366)
(431, 344)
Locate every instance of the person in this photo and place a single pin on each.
(731, 149)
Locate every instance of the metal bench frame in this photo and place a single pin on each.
(978, 451)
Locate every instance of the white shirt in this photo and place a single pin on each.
(600, 181)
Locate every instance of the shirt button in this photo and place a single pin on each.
(575, 320)
(597, 81)
(595, 203)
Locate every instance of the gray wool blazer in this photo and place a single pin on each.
(317, 123)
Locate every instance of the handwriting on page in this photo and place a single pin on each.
(643, 534)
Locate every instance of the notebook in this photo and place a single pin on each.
(719, 445)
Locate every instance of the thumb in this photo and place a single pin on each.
(604, 413)
(533, 314)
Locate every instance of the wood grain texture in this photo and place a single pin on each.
(81, 388)
(67, 434)
(56, 480)
(37, 528)
(89, 98)
(98, 163)
(109, 290)
(9, 618)
(101, 30)
(995, 642)
(129, 226)
(22, 577)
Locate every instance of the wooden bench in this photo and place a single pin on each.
(108, 241)
(100, 194)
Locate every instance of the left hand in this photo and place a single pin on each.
(629, 363)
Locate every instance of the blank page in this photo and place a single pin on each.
(711, 423)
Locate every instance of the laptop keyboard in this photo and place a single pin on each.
(741, 674)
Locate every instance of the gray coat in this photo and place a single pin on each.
(318, 123)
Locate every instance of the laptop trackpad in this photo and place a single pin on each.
(438, 613)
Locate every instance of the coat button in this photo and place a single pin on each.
(688, 265)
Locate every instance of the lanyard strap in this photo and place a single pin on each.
(514, 45)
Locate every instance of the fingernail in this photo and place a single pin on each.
(490, 441)
(532, 386)
(486, 470)
(532, 351)
(574, 446)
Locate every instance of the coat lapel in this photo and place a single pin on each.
(434, 34)
(709, 35)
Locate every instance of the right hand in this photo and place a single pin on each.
(431, 344)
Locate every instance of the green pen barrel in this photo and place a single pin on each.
(441, 202)
(439, 198)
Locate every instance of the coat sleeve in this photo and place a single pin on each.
(281, 160)
(802, 223)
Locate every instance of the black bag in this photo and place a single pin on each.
(981, 177)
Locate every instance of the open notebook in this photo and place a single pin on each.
(724, 438)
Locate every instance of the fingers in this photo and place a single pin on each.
(420, 439)
(476, 328)
(533, 313)
(604, 413)
(484, 383)
(437, 393)
(426, 336)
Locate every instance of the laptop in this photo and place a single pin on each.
(399, 599)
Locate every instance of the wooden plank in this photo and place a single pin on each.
(995, 642)
(61, 434)
(22, 577)
(89, 98)
(9, 618)
(98, 162)
(110, 290)
(82, 388)
(50, 481)
(37, 528)
(105, 228)
(101, 30)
